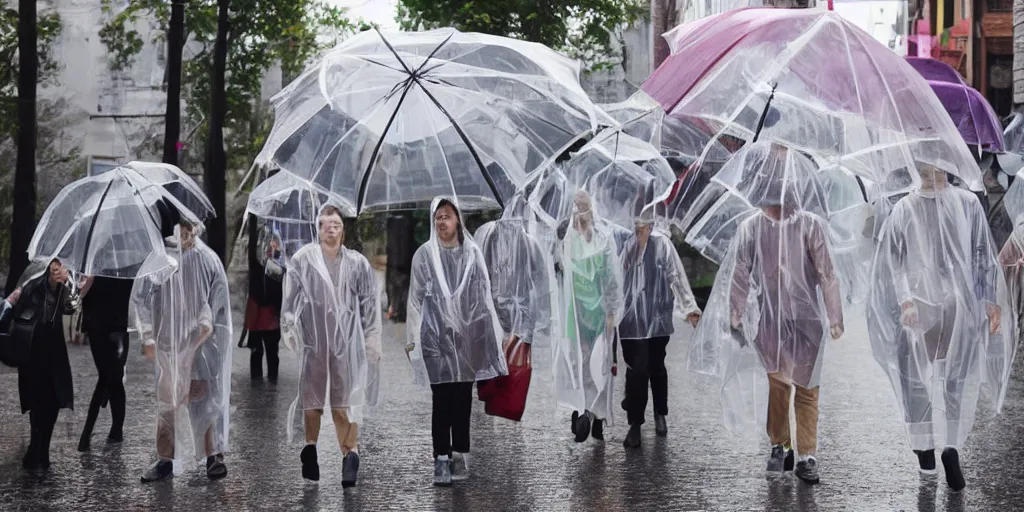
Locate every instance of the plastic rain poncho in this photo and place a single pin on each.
(453, 333)
(851, 230)
(774, 301)
(592, 308)
(331, 315)
(936, 289)
(655, 285)
(521, 274)
(186, 314)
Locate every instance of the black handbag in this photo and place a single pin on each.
(16, 335)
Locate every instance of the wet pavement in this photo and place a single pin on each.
(534, 465)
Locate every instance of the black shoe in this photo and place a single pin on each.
(115, 437)
(582, 429)
(632, 437)
(31, 460)
(349, 469)
(83, 444)
(573, 420)
(310, 467)
(215, 467)
(777, 459)
(597, 430)
(951, 463)
(807, 470)
(623, 403)
(926, 460)
(660, 425)
(160, 470)
(789, 462)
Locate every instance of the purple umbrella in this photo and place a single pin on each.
(971, 113)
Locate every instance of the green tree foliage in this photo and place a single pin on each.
(263, 32)
(48, 27)
(581, 29)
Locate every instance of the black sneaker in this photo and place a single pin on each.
(310, 467)
(660, 425)
(115, 437)
(84, 444)
(572, 422)
(632, 437)
(926, 461)
(951, 463)
(160, 470)
(349, 469)
(582, 429)
(777, 459)
(31, 460)
(790, 461)
(597, 430)
(215, 467)
(807, 470)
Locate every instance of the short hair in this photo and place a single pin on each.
(329, 210)
(458, 217)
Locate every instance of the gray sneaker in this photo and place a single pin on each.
(442, 471)
(777, 460)
(460, 466)
(807, 470)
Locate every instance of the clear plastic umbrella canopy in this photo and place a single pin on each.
(178, 184)
(391, 120)
(639, 116)
(107, 225)
(837, 93)
(288, 207)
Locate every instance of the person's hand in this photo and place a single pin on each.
(509, 342)
(149, 350)
(12, 299)
(372, 353)
(837, 330)
(693, 318)
(519, 353)
(409, 347)
(995, 316)
(736, 319)
(909, 316)
(610, 326)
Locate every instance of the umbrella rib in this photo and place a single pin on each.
(465, 140)
(392, 48)
(92, 227)
(361, 197)
(381, 64)
(419, 69)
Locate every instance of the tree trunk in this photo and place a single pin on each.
(1018, 53)
(663, 19)
(24, 215)
(175, 44)
(214, 178)
(401, 247)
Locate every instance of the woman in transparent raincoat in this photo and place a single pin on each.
(656, 289)
(183, 317)
(453, 336)
(331, 310)
(775, 301)
(592, 307)
(521, 275)
(938, 317)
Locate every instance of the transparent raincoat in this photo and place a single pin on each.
(655, 285)
(775, 298)
(592, 304)
(185, 312)
(331, 315)
(938, 314)
(851, 224)
(521, 273)
(453, 333)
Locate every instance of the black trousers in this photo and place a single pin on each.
(261, 342)
(645, 362)
(453, 403)
(42, 421)
(110, 353)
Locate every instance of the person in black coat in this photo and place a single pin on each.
(44, 382)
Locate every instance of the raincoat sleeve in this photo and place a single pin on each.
(614, 302)
(140, 309)
(818, 249)
(686, 304)
(370, 311)
(540, 314)
(740, 285)
(986, 269)
(418, 286)
(294, 300)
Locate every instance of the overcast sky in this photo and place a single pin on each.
(380, 11)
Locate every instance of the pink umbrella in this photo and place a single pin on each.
(839, 95)
(972, 114)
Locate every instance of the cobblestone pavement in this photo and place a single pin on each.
(534, 465)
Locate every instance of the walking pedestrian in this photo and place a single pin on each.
(263, 309)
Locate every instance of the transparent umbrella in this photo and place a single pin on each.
(392, 120)
(178, 184)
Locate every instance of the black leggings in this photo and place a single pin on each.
(260, 341)
(110, 353)
(645, 362)
(453, 403)
(42, 421)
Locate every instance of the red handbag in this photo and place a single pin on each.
(505, 396)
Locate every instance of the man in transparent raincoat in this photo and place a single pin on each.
(939, 318)
(775, 301)
(592, 307)
(331, 310)
(184, 319)
(521, 275)
(453, 336)
(656, 287)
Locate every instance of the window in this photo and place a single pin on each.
(1000, 5)
(99, 165)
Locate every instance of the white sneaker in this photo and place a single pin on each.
(460, 466)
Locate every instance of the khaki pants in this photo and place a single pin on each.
(806, 404)
(347, 432)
